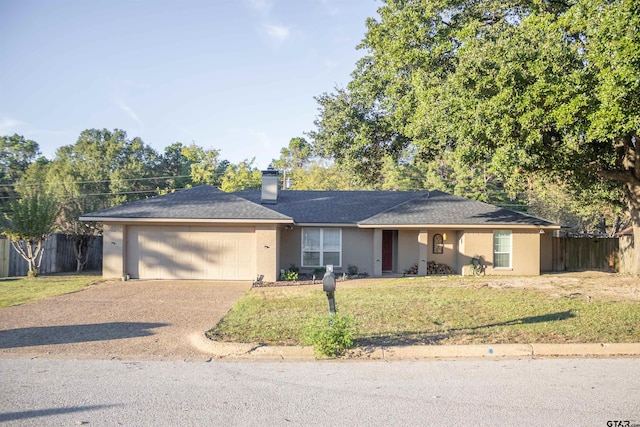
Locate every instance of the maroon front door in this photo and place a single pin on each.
(387, 250)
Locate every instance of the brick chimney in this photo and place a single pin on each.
(269, 186)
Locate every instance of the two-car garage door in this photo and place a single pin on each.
(191, 252)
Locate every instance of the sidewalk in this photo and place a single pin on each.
(222, 350)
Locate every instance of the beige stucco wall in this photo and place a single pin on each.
(377, 253)
(448, 255)
(525, 251)
(113, 250)
(409, 249)
(357, 249)
(279, 247)
(267, 256)
(290, 245)
(408, 255)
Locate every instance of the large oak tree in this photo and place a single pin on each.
(523, 86)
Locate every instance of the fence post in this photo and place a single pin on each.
(5, 247)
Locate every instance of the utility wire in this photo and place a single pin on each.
(103, 181)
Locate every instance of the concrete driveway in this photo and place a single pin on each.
(134, 319)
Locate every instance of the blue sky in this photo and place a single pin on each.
(234, 75)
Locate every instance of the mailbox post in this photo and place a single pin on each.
(329, 286)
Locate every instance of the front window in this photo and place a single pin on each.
(502, 249)
(321, 246)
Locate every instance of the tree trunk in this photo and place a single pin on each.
(629, 175)
(32, 255)
(633, 196)
(81, 245)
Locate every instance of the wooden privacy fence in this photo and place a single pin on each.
(58, 257)
(585, 253)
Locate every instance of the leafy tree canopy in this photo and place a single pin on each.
(242, 176)
(29, 223)
(16, 154)
(518, 88)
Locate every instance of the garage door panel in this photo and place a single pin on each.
(160, 252)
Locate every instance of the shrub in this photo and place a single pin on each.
(352, 270)
(319, 272)
(289, 276)
(330, 335)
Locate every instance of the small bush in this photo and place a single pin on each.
(289, 276)
(330, 335)
(352, 270)
(319, 272)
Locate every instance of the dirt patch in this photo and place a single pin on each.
(133, 319)
(591, 286)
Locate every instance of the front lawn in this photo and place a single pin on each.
(20, 290)
(454, 310)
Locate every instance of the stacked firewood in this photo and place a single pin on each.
(436, 268)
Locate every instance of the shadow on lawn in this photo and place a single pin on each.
(68, 334)
(440, 334)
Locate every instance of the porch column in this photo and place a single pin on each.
(377, 252)
(423, 239)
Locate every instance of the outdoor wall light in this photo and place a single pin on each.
(444, 236)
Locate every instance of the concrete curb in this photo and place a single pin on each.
(220, 350)
(604, 349)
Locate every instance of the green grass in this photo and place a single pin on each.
(20, 290)
(428, 311)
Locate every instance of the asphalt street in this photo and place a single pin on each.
(550, 392)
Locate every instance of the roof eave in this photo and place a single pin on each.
(190, 220)
(459, 226)
(327, 224)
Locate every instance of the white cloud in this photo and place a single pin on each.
(129, 111)
(249, 143)
(260, 5)
(120, 93)
(278, 33)
(330, 64)
(10, 125)
(275, 34)
(331, 8)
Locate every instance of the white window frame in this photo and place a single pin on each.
(322, 251)
(510, 253)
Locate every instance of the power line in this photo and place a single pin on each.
(120, 193)
(102, 181)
